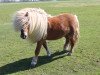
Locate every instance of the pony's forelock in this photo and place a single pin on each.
(37, 20)
(19, 19)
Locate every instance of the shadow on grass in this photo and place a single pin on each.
(24, 64)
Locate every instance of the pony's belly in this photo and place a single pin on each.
(53, 38)
(55, 35)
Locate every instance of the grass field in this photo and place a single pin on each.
(16, 54)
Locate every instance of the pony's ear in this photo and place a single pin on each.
(26, 14)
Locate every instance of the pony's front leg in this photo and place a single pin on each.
(47, 50)
(37, 51)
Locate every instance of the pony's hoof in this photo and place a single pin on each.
(69, 54)
(49, 55)
(34, 61)
(33, 64)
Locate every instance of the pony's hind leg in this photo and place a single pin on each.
(72, 44)
(69, 44)
(47, 50)
(66, 45)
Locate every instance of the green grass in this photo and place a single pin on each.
(16, 54)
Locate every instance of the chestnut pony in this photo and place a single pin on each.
(37, 26)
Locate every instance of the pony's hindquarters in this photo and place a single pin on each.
(77, 33)
(73, 36)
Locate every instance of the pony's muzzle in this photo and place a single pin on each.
(23, 34)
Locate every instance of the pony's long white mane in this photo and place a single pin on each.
(37, 20)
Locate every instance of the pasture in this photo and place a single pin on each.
(16, 54)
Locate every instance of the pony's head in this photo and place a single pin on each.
(21, 23)
(25, 29)
(32, 23)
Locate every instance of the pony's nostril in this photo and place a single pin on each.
(23, 36)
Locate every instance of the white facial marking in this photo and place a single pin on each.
(25, 33)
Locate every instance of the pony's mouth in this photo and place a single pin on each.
(23, 36)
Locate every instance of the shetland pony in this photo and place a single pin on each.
(37, 26)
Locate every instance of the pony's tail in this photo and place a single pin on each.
(77, 34)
